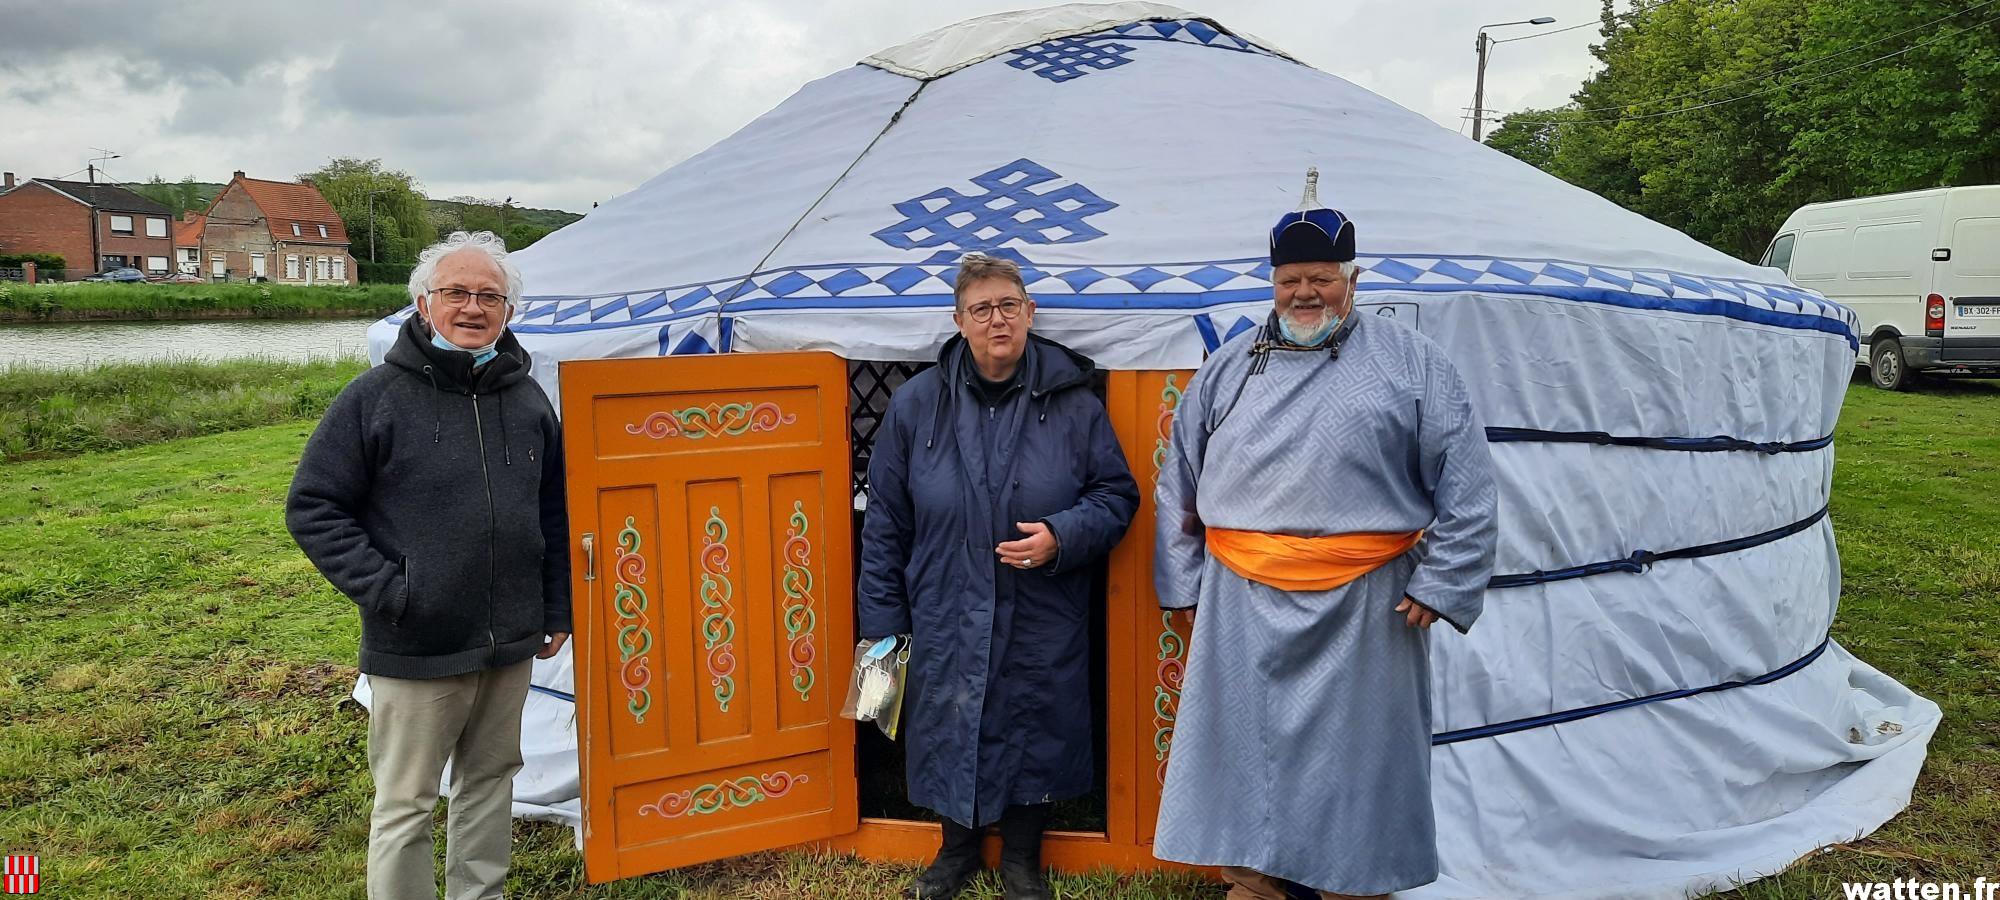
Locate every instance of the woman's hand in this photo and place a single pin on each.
(1037, 549)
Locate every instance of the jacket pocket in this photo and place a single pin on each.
(410, 594)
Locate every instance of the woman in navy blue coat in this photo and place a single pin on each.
(995, 487)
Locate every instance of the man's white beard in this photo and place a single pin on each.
(1309, 337)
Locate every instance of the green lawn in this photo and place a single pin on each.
(170, 723)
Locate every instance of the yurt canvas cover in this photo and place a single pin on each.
(1651, 705)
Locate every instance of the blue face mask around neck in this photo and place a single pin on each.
(1317, 336)
(1311, 338)
(480, 357)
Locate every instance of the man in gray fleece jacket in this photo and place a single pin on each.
(432, 496)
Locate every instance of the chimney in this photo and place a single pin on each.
(239, 173)
(10, 182)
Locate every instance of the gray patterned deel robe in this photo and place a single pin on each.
(1302, 743)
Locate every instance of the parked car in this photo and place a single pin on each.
(126, 273)
(185, 278)
(1921, 269)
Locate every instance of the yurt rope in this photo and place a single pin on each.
(1640, 561)
(1585, 712)
(1690, 444)
(722, 303)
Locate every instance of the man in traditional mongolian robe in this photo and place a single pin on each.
(1328, 495)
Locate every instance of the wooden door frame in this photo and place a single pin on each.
(1139, 413)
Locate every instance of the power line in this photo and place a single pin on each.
(1770, 90)
(1770, 75)
(1619, 18)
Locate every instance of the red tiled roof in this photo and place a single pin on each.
(287, 202)
(187, 232)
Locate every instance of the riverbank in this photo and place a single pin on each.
(173, 721)
(59, 412)
(84, 302)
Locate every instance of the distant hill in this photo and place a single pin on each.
(550, 219)
(442, 211)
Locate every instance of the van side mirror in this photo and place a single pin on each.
(1941, 254)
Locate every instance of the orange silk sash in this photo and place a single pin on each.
(1291, 563)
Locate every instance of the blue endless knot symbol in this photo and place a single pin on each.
(1068, 58)
(1008, 210)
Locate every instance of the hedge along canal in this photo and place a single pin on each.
(76, 302)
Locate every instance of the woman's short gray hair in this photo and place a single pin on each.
(976, 267)
(483, 241)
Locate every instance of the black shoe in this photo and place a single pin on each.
(956, 865)
(1021, 873)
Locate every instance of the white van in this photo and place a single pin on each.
(1921, 269)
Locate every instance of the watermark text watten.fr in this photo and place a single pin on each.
(1913, 889)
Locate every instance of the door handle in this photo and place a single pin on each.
(589, 556)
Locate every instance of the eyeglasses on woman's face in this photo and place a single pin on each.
(983, 312)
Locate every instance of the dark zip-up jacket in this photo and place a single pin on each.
(431, 494)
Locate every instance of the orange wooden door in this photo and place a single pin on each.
(710, 500)
(1147, 655)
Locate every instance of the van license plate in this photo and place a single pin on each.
(1979, 312)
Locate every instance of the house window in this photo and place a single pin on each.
(322, 231)
(325, 269)
(121, 224)
(107, 262)
(295, 229)
(218, 265)
(156, 264)
(340, 268)
(156, 227)
(291, 268)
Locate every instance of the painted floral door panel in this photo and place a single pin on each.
(1147, 655)
(708, 496)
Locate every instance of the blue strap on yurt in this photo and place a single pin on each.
(1690, 444)
(1638, 562)
(1571, 715)
(559, 695)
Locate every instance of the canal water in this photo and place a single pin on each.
(74, 344)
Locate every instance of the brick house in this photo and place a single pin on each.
(187, 243)
(92, 226)
(281, 230)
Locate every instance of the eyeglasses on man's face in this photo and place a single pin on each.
(1008, 309)
(462, 298)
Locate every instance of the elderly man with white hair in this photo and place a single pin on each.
(1327, 495)
(432, 496)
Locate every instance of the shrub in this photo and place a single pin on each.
(46, 262)
(384, 273)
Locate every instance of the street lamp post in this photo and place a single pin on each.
(1479, 84)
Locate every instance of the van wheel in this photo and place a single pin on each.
(1885, 366)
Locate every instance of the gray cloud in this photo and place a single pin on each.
(563, 104)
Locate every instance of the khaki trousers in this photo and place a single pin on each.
(1250, 884)
(414, 726)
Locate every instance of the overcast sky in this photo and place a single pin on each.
(559, 104)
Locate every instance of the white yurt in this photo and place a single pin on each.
(1651, 705)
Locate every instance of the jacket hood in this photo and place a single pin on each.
(453, 369)
(1051, 367)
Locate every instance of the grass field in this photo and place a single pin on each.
(170, 724)
(80, 300)
(53, 412)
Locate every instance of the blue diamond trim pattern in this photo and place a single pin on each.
(1192, 286)
(788, 284)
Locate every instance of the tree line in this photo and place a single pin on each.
(402, 222)
(1721, 117)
